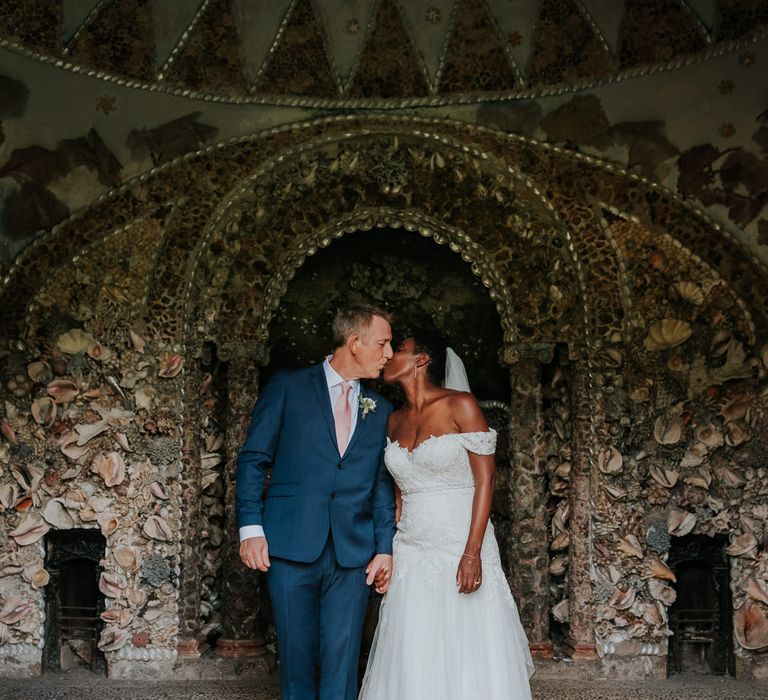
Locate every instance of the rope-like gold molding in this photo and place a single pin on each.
(640, 70)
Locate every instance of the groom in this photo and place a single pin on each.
(328, 516)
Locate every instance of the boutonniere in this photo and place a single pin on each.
(367, 405)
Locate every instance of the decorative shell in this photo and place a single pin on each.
(158, 490)
(680, 522)
(631, 545)
(666, 334)
(88, 431)
(170, 365)
(661, 591)
(108, 523)
(751, 626)
(14, 609)
(610, 461)
(63, 390)
(8, 495)
(622, 600)
(109, 585)
(111, 467)
(758, 589)
(30, 530)
(728, 477)
(126, 558)
(664, 476)
(157, 528)
(668, 430)
(690, 292)
(39, 372)
(558, 565)
(560, 611)
(57, 515)
(36, 576)
(75, 341)
(44, 411)
(113, 638)
(743, 546)
(660, 570)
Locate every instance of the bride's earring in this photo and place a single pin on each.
(414, 369)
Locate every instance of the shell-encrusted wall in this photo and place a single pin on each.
(687, 408)
(132, 336)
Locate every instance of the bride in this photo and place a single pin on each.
(448, 625)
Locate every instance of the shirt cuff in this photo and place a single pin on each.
(251, 531)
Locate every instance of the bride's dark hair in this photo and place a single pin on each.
(433, 345)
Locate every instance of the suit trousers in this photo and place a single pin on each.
(319, 610)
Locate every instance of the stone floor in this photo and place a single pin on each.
(83, 687)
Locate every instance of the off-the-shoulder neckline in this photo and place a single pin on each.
(490, 431)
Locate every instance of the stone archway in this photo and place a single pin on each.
(222, 224)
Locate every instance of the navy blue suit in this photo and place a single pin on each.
(324, 517)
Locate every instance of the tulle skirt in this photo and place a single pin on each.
(433, 643)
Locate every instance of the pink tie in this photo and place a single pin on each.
(342, 416)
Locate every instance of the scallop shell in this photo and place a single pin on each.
(744, 545)
(75, 341)
(661, 591)
(622, 600)
(170, 365)
(610, 461)
(109, 585)
(631, 545)
(30, 530)
(690, 292)
(57, 515)
(44, 411)
(667, 333)
(112, 639)
(750, 626)
(36, 576)
(758, 589)
(63, 390)
(14, 609)
(660, 570)
(668, 430)
(680, 522)
(157, 528)
(126, 558)
(111, 467)
(664, 476)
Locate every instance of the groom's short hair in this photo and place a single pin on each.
(355, 319)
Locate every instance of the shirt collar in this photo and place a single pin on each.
(333, 378)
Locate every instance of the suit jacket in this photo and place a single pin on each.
(312, 489)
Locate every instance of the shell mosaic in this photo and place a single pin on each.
(135, 331)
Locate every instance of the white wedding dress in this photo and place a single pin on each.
(433, 643)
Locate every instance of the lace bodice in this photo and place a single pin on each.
(440, 462)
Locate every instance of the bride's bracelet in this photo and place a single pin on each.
(470, 556)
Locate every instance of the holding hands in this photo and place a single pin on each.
(379, 573)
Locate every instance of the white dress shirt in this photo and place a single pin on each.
(334, 381)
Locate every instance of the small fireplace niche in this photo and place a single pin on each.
(701, 617)
(73, 601)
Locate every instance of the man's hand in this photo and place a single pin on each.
(255, 553)
(379, 572)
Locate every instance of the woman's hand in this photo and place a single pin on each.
(469, 575)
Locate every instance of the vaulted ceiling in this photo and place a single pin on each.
(373, 49)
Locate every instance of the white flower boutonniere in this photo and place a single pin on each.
(367, 405)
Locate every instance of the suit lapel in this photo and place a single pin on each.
(324, 399)
(360, 422)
